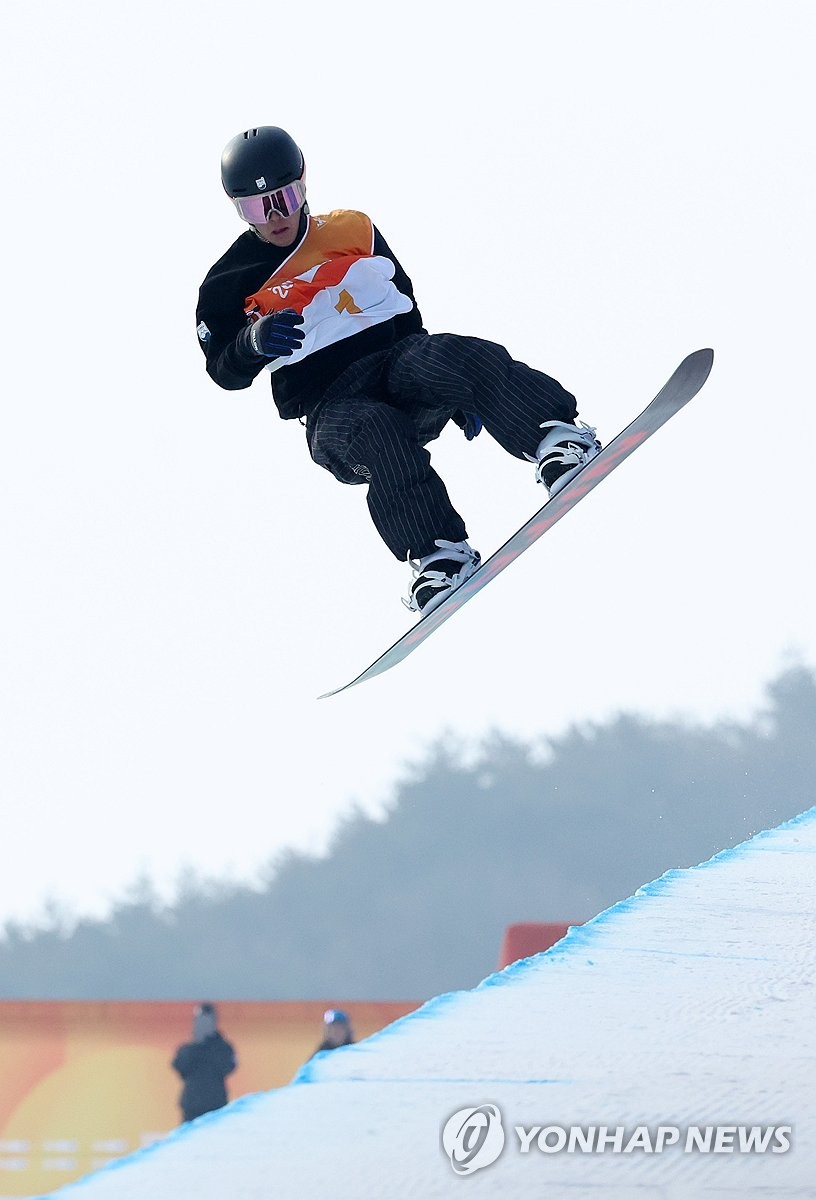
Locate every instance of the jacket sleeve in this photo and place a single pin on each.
(185, 1059)
(229, 1060)
(223, 335)
(405, 323)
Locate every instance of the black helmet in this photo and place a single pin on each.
(260, 160)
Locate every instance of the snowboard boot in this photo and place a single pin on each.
(562, 452)
(440, 573)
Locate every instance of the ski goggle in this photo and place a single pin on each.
(283, 202)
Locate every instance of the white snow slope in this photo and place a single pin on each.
(690, 1005)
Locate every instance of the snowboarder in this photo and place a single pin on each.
(323, 303)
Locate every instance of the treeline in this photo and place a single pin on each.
(415, 904)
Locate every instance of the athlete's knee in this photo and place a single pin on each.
(380, 432)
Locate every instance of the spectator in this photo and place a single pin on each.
(337, 1030)
(204, 1064)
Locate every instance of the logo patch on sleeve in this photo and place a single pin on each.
(204, 334)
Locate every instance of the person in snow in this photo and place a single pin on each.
(323, 304)
(204, 1064)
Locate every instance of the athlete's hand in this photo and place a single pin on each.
(469, 423)
(277, 334)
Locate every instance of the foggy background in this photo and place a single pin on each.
(603, 187)
(416, 903)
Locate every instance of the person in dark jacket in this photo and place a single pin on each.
(323, 304)
(337, 1030)
(204, 1064)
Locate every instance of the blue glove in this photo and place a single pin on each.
(276, 335)
(469, 423)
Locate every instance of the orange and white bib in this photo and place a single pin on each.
(334, 281)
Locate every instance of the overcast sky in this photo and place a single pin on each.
(603, 186)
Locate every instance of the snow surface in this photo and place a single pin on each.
(689, 1004)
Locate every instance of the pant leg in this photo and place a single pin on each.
(364, 440)
(450, 371)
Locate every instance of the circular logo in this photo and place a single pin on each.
(473, 1138)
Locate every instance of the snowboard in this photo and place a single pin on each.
(683, 385)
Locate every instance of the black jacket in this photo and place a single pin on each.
(221, 322)
(204, 1066)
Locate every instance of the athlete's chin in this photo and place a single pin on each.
(284, 236)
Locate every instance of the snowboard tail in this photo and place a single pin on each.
(683, 386)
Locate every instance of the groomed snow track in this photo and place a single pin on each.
(690, 1005)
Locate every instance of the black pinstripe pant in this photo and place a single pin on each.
(373, 423)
